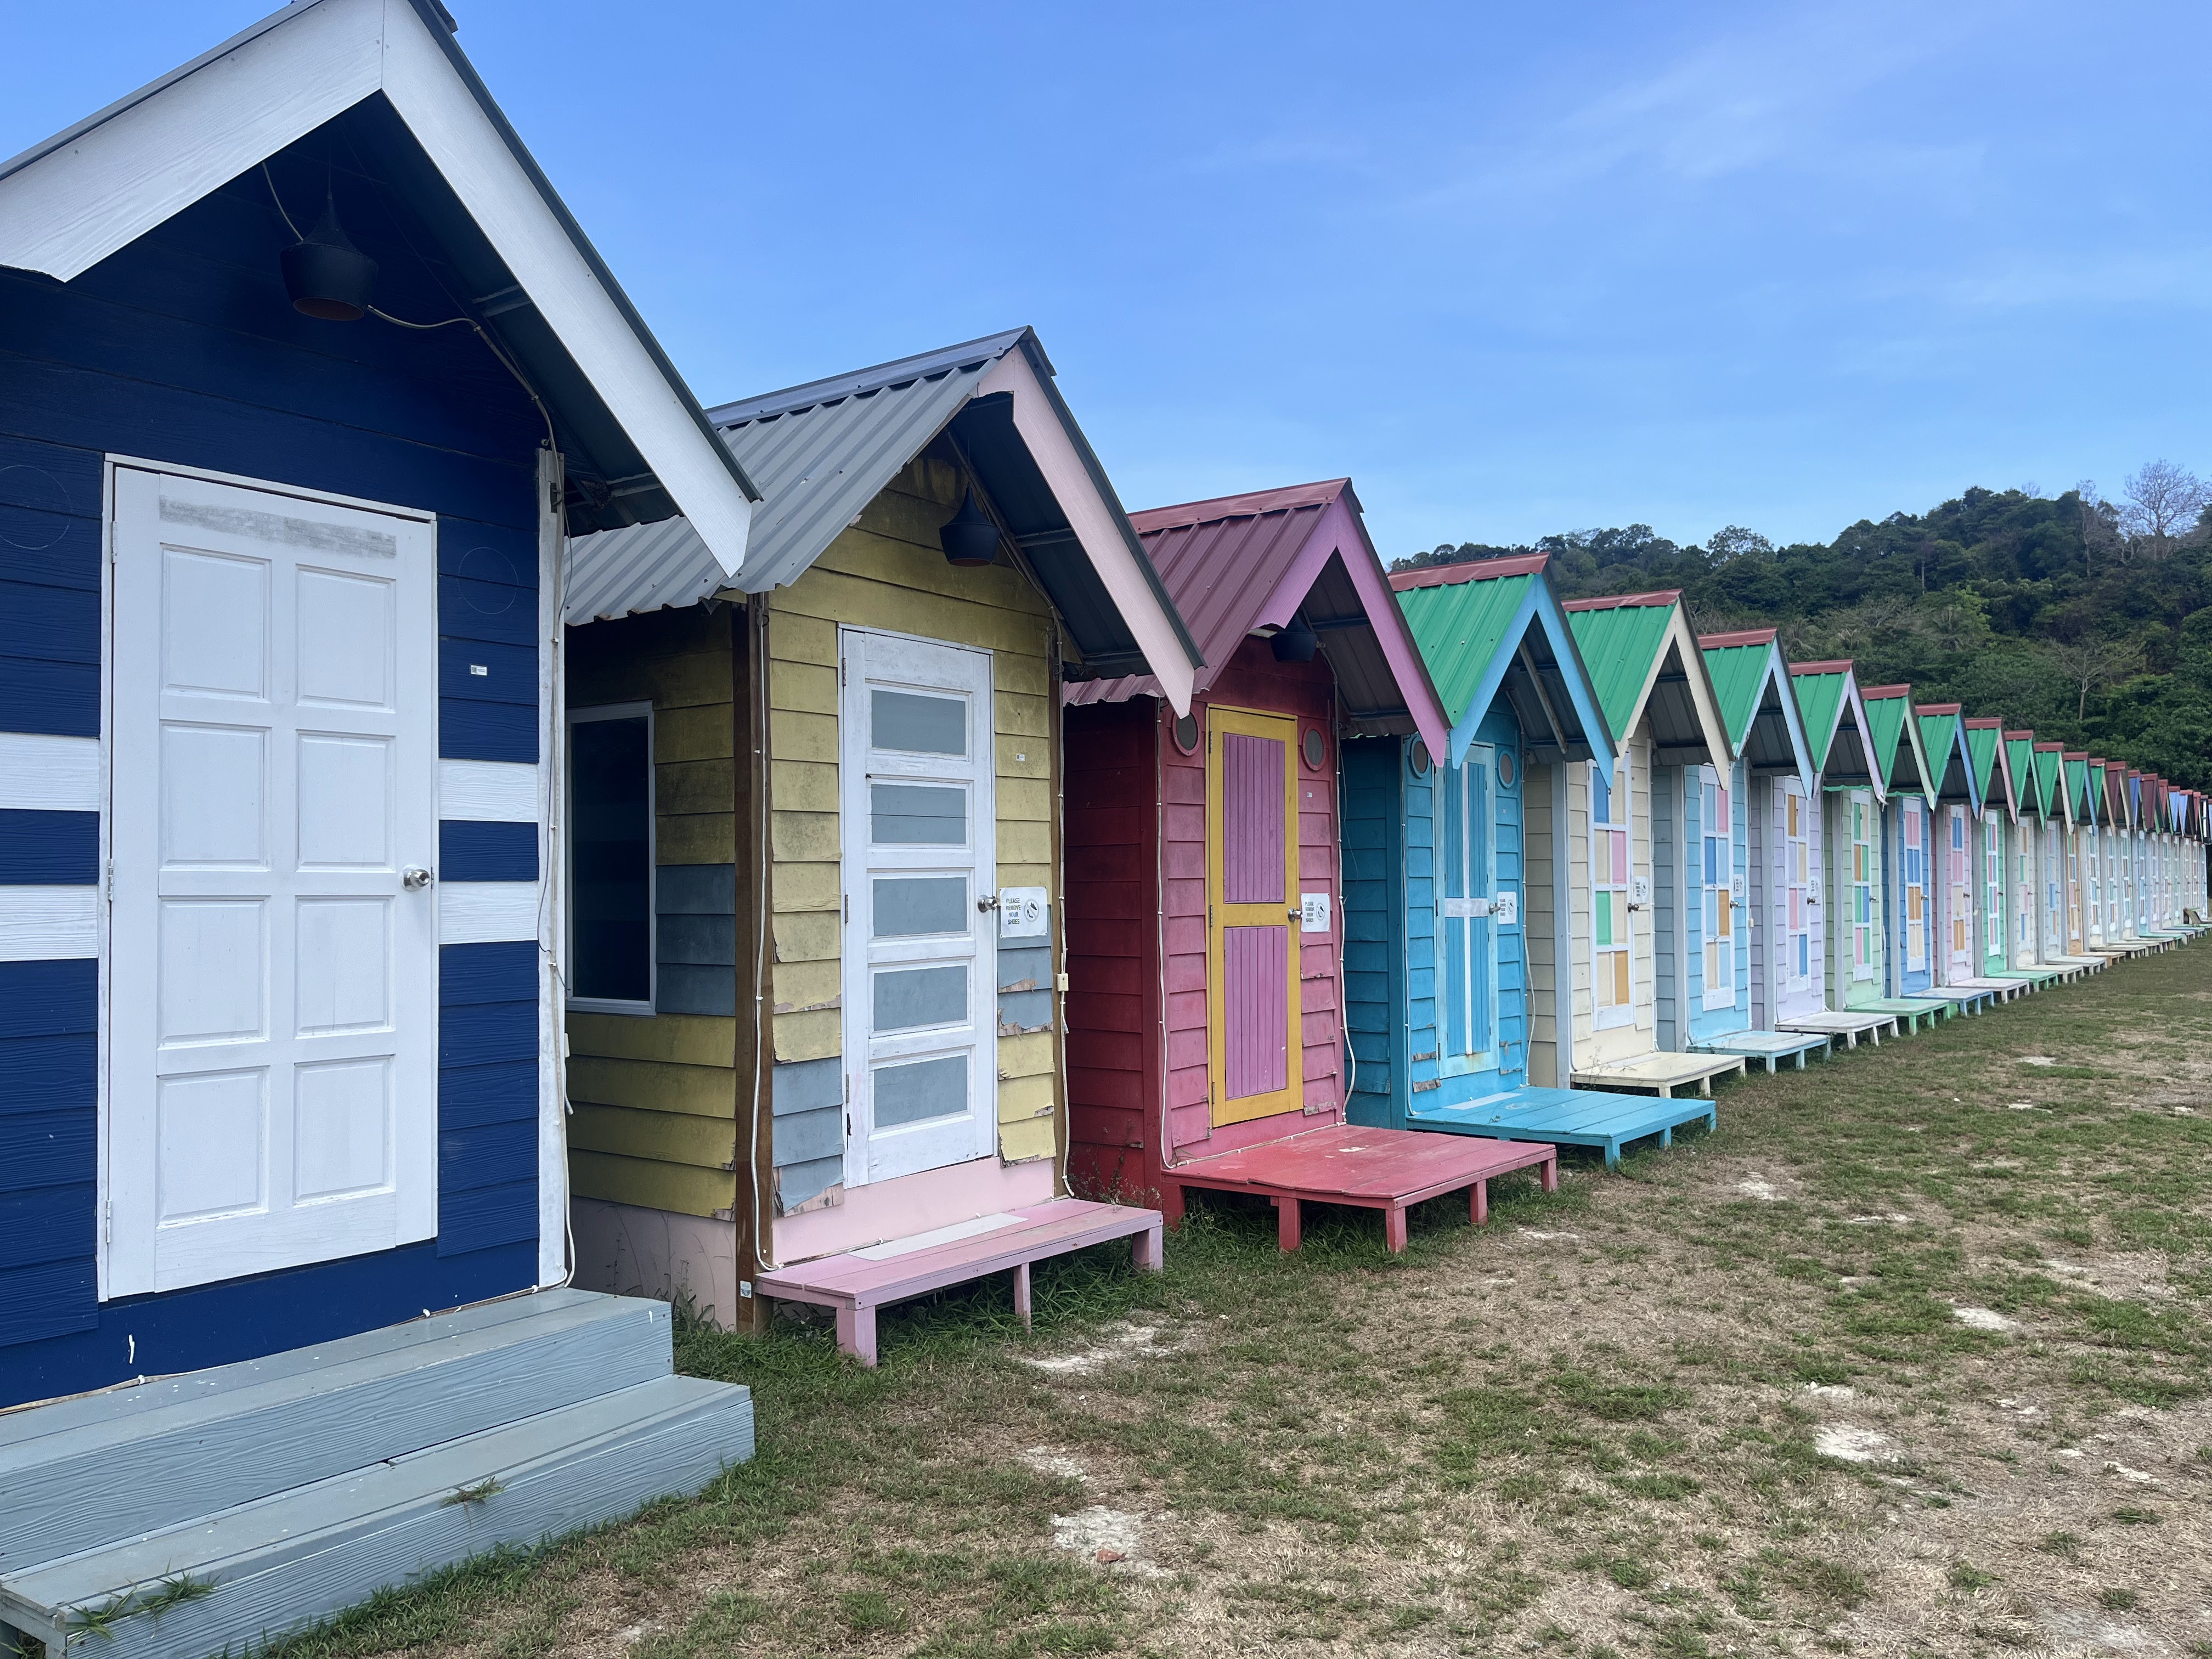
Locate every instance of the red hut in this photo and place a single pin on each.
(1206, 1037)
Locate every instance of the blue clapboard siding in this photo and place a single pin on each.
(1374, 950)
(487, 1126)
(470, 850)
(182, 350)
(40, 849)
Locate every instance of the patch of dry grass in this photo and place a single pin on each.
(1721, 1402)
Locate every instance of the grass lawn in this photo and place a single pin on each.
(1912, 1356)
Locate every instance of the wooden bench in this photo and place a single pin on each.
(1385, 1169)
(855, 1285)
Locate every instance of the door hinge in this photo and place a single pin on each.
(848, 907)
(848, 1094)
(107, 1221)
(841, 680)
(107, 882)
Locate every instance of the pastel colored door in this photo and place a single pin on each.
(1469, 925)
(1253, 1051)
(1913, 895)
(1612, 849)
(1959, 897)
(1799, 888)
(919, 860)
(273, 962)
(1859, 885)
(1995, 942)
(1715, 885)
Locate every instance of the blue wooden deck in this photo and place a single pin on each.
(1772, 1047)
(1570, 1117)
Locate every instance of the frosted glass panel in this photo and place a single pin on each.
(917, 725)
(927, 1088)
(907, 907)
(917, 815)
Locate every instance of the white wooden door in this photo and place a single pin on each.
(1957, 898)
(272, 1028)
(1794, 842)
(919, 862)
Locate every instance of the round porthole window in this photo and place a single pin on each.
(1420, 759)
(1185, 734)
(1507, 771)
(1314, 748)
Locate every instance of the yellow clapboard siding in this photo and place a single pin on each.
(795, 735)
(696, 838)
(1021, 756)
(806, 985)
(1022, 672)
(804, 837)
(1033, 1138)
(651, 1185)
(809, 1036)
(653, 1085)
(1028, 1055)
(1018, 715)
(800, 887)
(896, 562)
(1025, 875)
(806, 935)
(700, 785)
(702, 1143)
(804, 686)
(803, 639)
(687, 681)
(803, 786)
(1023, 1097)
(692, 734)
(868, 604)
(1024, 844)
(686, 1039)
(1026, 800)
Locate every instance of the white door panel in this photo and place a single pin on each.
(272, 1030)
(919, 829)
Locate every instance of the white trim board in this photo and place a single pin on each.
(66, 209)
(487, 912)
(487, 792)
(49, 924)
(40, 773)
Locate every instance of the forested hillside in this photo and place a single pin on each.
(2085, 619)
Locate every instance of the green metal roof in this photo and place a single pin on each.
(2077, 791)
(2020, 751)
(1939, 741)
(1738, 672)
(1459, 628)
(2048, 769)
(1985, 745)
(1620, 645)
(1820, 698)
(2098, 792)
(1897, 742)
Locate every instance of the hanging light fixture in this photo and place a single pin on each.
(968, 536)
(1295, 643)
(326, 276)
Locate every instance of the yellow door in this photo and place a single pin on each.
(1253, 1058)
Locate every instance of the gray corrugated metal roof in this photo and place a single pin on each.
(819, 453)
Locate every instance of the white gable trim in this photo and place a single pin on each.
(1096, 530)
(159, 152)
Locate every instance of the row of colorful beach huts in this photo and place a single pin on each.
(489, 849)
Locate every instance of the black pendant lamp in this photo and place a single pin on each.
(1295, 643)
(970, 538)
(326, 276)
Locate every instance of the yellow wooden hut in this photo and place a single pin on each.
(813, 977)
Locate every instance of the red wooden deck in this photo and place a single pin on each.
(855, 1285)
(1385, 1169)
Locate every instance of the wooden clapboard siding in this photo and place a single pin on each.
(1539, 931)
(1375, 909)
(888, 572)
(657, 1097)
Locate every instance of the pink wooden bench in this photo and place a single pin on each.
(855, 1285)
(1385, 1169)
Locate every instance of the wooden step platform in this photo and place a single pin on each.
(225, 1509)
(1999, 988)
(1572, 1117)
(1912, 1009)
(856, 1283)
(1385, 1169)
(1772, 1047)
(2030, 979)
(1966, 996)
(1662, 1073)
(1849, 1024)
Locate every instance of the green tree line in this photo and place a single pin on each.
(2089, 620)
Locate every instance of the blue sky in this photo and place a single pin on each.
(1515, 269)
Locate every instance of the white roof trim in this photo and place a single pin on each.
(156, 154)
(1095, 529)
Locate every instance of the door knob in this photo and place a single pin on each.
(414, 878)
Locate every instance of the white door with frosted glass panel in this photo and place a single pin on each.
(1803, 981)
(2023, 896)
(1916, 890)
(273, 966)
(1611, 971)
(1958, 897)
(1466, 916)
(1716, 873)
(918, 829)
(1865, 817)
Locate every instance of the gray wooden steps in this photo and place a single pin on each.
(222, 1509)
(209, 1440)
(258, 1572)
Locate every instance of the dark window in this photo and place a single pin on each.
(610, 834)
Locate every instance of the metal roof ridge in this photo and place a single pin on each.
(1983, 722)
(1737, 637)
(1831, 665)
(1902, 689)
(1249, 504)
(899, 371)
(1621, 601)
(1937, 709)
(1468, 570)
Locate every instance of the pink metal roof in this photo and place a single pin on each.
(1241, 562)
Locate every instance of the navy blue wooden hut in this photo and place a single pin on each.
(279, 900)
